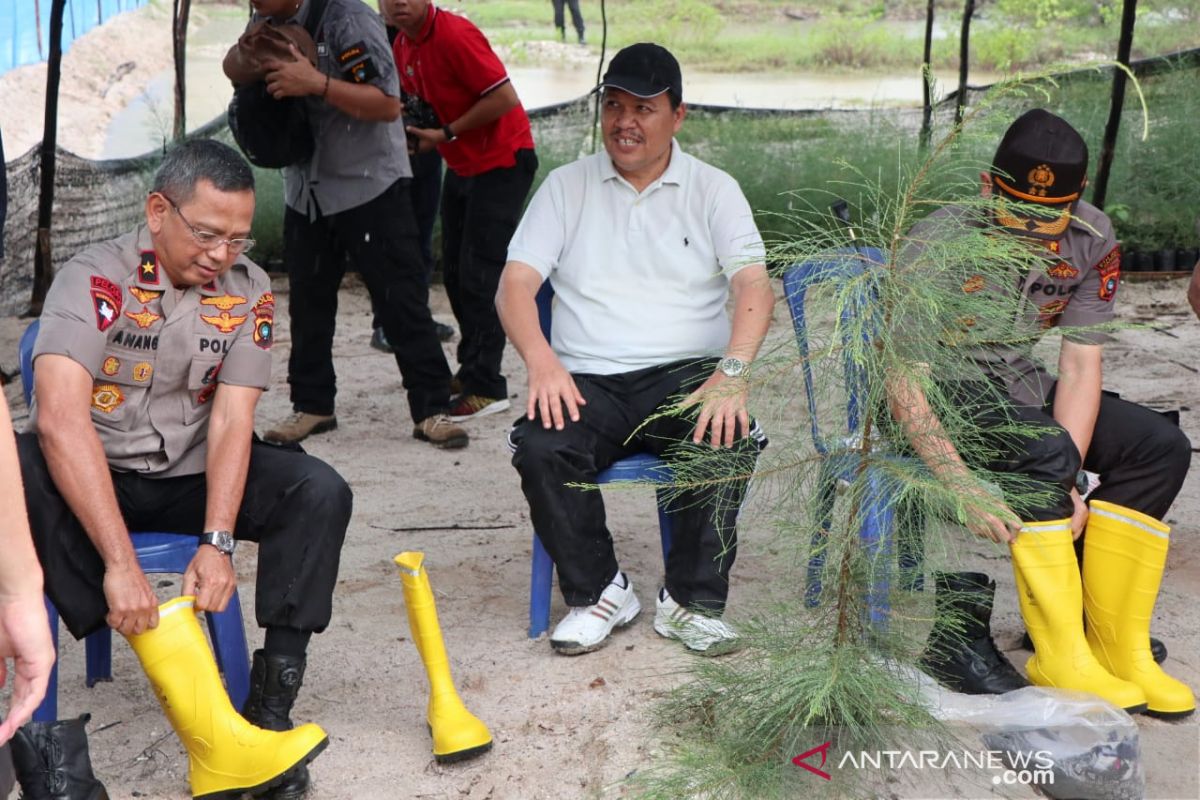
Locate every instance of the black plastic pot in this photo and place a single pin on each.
(1164, 260)
(1141, 262)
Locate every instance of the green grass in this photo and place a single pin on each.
(753, 35)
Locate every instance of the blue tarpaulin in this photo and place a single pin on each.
(25, 26)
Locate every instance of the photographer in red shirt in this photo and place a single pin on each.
(488, 147)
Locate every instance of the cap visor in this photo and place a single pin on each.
(635, 86)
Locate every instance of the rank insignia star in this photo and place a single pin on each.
(225, 302)
(144, 318)
(148, 268)
(225, 322)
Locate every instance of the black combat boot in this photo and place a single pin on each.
(52, 763)
(960, 652)
(274, 683)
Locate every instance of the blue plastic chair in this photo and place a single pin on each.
(157, 553)
(642, 467)
(841, 459)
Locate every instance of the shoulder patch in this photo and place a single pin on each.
(106, 300)
(1109, 268)
(354, 51)
(264, 320)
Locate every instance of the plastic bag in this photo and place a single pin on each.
(1091, 746)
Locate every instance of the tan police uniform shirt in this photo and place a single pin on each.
(1075, 287)
(156, 354)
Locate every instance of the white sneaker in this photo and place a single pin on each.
(705, 635)
(587, 628)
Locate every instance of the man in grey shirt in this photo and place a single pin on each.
(351, 200)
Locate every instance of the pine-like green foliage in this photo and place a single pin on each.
(809, 675)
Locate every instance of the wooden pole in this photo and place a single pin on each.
(43, 268)
(182, 8)
(927, 76)
(1117, 105)
(964, 57)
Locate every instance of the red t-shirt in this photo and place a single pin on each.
(450, 65)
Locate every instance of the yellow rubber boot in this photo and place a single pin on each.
(227, 756)
(1051, 596)
(457, 733)
(1124, 554)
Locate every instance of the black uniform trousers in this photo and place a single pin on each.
(380, 238)
(295, 506)
(1140, 455)
(570, 521)
(576, 15)
(479, 216)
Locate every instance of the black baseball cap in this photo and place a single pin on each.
(644, 70)
(1040, 160)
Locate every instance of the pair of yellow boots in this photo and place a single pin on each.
(1124, 555)
(227, 756)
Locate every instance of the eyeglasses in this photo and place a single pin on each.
(209, 240)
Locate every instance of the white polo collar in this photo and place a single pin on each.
(674, 173)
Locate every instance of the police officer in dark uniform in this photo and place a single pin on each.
(1036, 182)
(153, 351)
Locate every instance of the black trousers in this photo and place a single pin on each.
(380, 238)
(295, 506)
(576, 15)
(1141, 457)
(570, 521)
(479, 216)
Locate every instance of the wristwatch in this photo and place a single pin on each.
(732, 366)
(450, 135)
(222, 540)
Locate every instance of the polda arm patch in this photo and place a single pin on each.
(264, 320)
(106, 301)
(1109, 269)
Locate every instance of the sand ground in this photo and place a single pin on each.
(564, 727)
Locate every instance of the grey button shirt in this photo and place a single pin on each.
(354, 160)
(1074, 286)
(156, 355)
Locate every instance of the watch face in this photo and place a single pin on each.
(733, 367)
(222, 540)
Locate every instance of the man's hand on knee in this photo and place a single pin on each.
(722, 402)
(132, 604)
(210, 577)
(551, 388)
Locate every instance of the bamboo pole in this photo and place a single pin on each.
(964, 57)
(1108, 147)
(927, 77)
(179, 23)
(42, 263)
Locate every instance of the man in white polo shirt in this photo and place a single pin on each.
(643, 245)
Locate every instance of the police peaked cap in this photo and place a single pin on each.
(1041, 159)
